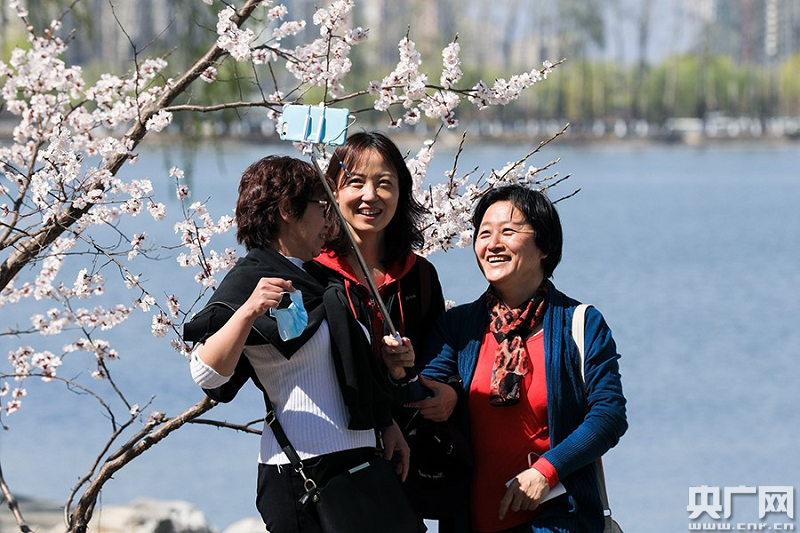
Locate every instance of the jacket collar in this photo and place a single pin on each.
(335, 262)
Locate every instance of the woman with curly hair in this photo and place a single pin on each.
(318, 375)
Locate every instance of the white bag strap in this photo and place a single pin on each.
(578, 326)
(578, 323)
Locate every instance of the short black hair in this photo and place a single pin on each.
(540, 213)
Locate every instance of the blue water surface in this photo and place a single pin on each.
(691, 254)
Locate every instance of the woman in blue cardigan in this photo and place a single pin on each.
(534, 425)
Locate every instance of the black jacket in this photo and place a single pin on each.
(361, 383)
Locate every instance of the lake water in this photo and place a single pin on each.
(692, 254)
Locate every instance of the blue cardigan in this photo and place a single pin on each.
(585, 421)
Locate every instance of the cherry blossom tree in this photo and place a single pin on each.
(61, 193)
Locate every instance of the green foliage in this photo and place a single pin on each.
(580, 91)
(13, 37)
(789, 87)
(691, 86)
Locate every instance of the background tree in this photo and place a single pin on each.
(72, 238)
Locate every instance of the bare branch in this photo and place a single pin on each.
(82, 514)
(221, 107)
(459, 151)
(245, 428)
(13, 505)
(71, 385)
(576, 191)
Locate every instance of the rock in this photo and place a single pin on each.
(142, 515)
(39, 515)
(248, 525)
(145, 515)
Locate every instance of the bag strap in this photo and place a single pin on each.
(424, 283)
(274, 424)
(578, 326)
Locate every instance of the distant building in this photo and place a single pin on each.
(507, 34)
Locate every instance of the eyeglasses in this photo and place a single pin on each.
(327, 208)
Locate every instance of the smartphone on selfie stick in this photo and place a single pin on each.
(314, 124)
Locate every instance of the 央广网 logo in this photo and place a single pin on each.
(717, 503)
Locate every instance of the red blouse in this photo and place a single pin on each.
(506, 440)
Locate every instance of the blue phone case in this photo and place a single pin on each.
(314, 124)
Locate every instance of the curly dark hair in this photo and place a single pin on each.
(403, 234)
(264, 185)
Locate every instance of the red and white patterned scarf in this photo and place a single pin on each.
(510, 328)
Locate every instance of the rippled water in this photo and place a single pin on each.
(692, 255)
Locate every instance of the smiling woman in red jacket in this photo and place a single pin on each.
(374, 190)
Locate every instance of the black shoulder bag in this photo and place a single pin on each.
(441, 458)
(364, 499)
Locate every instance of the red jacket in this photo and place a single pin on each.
(411, 292)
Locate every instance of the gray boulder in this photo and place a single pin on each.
(248, 525)
(144, 515)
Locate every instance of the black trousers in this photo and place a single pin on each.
(281, 487)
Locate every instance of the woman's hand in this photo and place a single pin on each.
(441, 405)
(396, 447)
(221, 350)
(525, 492)
(267, 295)
(398, 356)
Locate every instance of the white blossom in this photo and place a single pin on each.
(157, 210)
(418, 166)
(356, 35)
(136, 245)
(159, 121)
(144, 302)
(13, 406)
(277, 12)
(232, 38)
(173, 305)
(46, 362)
(176, 172)
(160, 325)
(181, 347)
(451, 73)
(287, 29)
(209, 75)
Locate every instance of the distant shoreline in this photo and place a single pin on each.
(451, 140)
(574, 135)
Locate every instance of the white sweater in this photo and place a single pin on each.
(305, 394)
